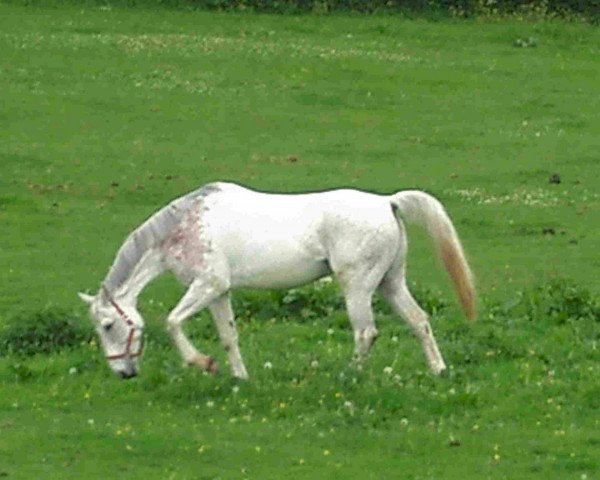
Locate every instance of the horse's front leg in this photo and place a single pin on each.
(198, 296)
(223, 316)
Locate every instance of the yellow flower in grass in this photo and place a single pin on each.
(203, 448)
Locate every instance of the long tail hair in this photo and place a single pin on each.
(420, 208)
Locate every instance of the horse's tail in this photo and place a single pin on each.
(418, 207)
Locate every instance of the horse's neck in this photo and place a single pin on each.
(147, 269)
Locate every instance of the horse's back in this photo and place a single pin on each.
(272, 240)
(238, 209)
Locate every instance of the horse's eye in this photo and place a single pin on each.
(107, 325)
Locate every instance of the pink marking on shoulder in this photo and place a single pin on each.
(170, 242)
(185, 247)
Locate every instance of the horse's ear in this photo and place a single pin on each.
(103, 294)
(86, 298)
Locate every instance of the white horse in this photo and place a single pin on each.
(223, 236)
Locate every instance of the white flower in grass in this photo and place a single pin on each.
(268, 366)
(388, 370)
(330, 331)
(314, 363)
(395, 339)
(235, 389)
(210, 404)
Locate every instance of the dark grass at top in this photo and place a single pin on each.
(432, 9)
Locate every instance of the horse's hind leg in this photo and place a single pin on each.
(395, 290)
(198, 296)
(224, 320)
(359, 309)
(358, 293)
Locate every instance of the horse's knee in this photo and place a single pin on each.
(173, 324)
(422, 330)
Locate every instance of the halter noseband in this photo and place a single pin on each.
(132, 328)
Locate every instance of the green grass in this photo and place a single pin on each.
(107, 114)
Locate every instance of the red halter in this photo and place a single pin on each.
(132, 328)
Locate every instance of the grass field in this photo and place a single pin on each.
(107, 114)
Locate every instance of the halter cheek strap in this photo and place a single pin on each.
(128, 353)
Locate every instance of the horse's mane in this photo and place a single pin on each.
(150, 234)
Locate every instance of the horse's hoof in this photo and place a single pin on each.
(211, 365)
(206, 363)
(441, 371)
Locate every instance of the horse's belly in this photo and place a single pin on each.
(267, 271)
(275, 260)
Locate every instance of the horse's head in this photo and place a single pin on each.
(120, 328)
